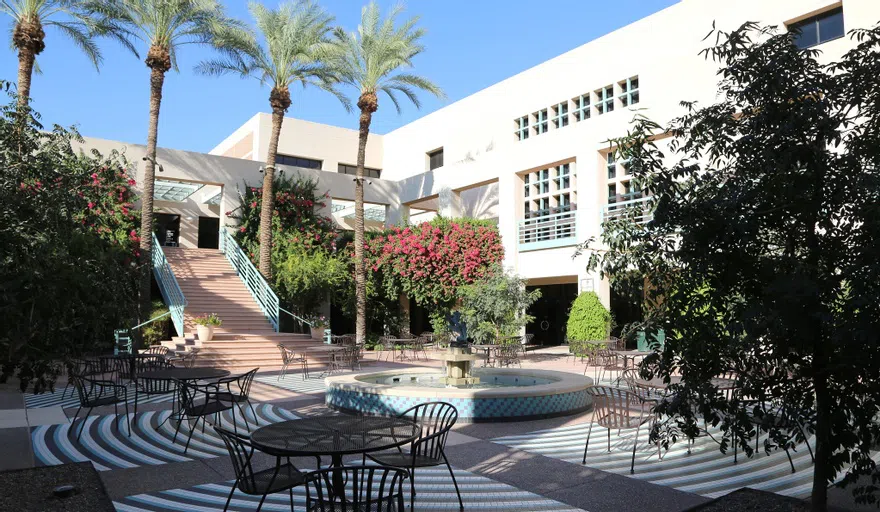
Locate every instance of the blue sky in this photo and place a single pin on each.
(471, 44)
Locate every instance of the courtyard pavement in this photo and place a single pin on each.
(528, 466)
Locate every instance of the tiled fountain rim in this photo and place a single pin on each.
(562, 382)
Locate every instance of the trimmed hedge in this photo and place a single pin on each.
(588, 319)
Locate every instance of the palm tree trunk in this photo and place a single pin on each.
(157, 79)
(268, 207)
(26, 59)
(360, 269)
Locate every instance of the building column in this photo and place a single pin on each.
(450, 205)
(396, 215)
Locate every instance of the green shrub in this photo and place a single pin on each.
(588, 319)
(157, 331)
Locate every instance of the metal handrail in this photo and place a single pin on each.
(639, 210)
(168, 287)
(123, 336)
(254, 281)
(548, 227)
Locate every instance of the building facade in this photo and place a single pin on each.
(531, 151)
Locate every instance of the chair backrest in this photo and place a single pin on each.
(436, 420)
(287, 355)
(527, 339)
(238, 384)
(240, 451)
(154, 362)
(159, 350)
(189, 359)
(370, 488)
(83, 385)
(614, 407)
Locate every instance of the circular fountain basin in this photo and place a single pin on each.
(501, 395)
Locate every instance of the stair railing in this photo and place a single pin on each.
(171, 292)
(123, 336)
(255, 282)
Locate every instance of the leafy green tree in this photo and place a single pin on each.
(67, 244)
(763, 251)
(73, 18)
(588, 319)
(295, 40)
(496, 306)
(370, 61)
(164, 27)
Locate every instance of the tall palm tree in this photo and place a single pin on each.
(295, 37)
(370, 60)
(164, 26)
(71, 17)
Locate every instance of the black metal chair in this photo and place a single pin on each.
(198, 401)
(156, 350)
(82, 367)
(153, 387)
(372, 489)
(237, 390)
(352, 356)
(257, 483)
(508, 354)
(436, 420)
(288, 358)
(98, 393)
(619, 409)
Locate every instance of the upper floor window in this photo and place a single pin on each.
(541, 124)
(582, 108)
(522, 128)
(435, 159)
(560, 115)
(298, 161)
(352, 169)
(611, 165)
(629, 91)
(818, 29)
(605, 100)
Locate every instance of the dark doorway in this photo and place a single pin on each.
(551, 313)
(626, 307)
(209, 233)
(167, 229)
(419, 319)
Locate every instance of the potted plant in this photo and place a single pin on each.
(205, 325)
(318, 325)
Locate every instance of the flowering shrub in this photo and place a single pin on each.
(108, 210)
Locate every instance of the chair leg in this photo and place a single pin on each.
(256, 419)
(791, 462)
(244, 415)
(231, 492)
(291, 499)
(127, 418)
(136, 401)
(412, 489)
(587, 446)
(192, 431)
(83, 427)
(609, 440)
(73, 423)
(632, 467)
(234, 423)
(260, 505)
(452, 474)
(177, 431)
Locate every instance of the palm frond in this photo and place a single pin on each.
(81, 39)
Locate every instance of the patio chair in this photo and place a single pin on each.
(237, 390)
(372, 489)
(198, 401)
(618, 409)
(288, 358)
(157, 350)
(352, 356)
(436, 420)
(508, 354)
(388, 345)
(152, 387)
(609, 362)
(630, 375)
(98, 393)
(82, 367)
(418, 345)
(282, 477)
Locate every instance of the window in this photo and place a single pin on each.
(297, 161)
(522, 128)
(540, 121)
(818, 29)
(582, 108)
(612, 193)
(630, 91)
(542, 182)
(435, 159)
(352, 169)
(611, 165)
(526, 182)
(605, 100)
(560, 115)
(562, 178)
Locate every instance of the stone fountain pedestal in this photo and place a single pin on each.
(459, 361)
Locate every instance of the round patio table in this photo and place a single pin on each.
(183, 374)
(628, 355)
(129, 359)
(334, 436)
(488, 349)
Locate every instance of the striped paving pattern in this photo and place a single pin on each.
(434, 487)
(294, 382)
(705, 471)
(70, 400)
(109, 447)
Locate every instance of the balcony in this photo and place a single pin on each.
(546, 229)
(637, 206)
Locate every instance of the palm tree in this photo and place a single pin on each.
(164, 26)
(73, 18)
(370, 61)
(296, 35)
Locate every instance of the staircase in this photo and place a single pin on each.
(247, 339)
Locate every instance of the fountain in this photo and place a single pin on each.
(483, 394)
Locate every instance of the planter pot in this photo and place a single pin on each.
(317, 333)
(205, 332)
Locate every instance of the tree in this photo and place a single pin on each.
(763, 251)
(496, 306)
(295, 42)
(67, 242)
(165, 26)
(588, 319)
(370, 61)
(73, 18)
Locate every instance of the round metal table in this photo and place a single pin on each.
(185, 373)
(335, 436)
